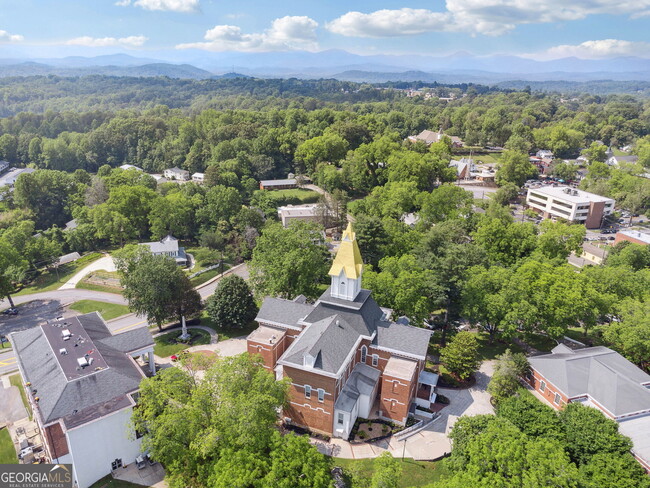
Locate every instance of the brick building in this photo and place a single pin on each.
(345, 357)
(601, 378)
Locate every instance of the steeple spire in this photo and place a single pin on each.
(347, 268)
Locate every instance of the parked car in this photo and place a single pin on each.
(11, 311)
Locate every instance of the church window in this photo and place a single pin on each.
(364, 353)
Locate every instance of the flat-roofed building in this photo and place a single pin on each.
(570, 204)
(289, 213)
(633, 236)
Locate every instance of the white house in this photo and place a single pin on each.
(198, 178)
(617, 160)
(570, 204)
(176, 174)
(10, 178)
(82, 384)
(130, 166)
(168, 246)
(544, 154)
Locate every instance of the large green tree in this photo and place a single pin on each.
(157, 288)
(460, 356)
(289, 262)
(232, 304)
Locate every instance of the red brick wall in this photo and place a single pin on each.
(309, 412)
(272, 352)
(622, 237)
(396, 396)
(56, 441)
(549, 392)
(595, 215)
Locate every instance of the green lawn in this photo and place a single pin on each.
(227, 332)
(17, 381)
(592, 337)
(203, 277)
(109, 482)
(108, 310)
(300, 194)
(5, 346)
(167, 344)
(414, 473)
(7, 449)
(50, 280)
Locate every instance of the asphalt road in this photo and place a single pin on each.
(37, 308)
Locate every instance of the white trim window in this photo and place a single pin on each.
(556, 400)
(341, 418)
(321, 395)
(307, 391)
(364, 354)
(542, 386)
(375, 359)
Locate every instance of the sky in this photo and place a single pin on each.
(551, 29)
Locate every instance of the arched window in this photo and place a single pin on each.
(364, 353)
(342, 288)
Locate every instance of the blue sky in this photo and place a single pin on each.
(164, 28)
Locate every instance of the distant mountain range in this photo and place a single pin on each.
(457, 68)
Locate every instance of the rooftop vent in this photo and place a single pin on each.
(83, 362)
(66, 334)
(63, 351)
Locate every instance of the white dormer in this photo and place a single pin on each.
(309, 360)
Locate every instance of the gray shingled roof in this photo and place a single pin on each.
(89, 396)
(168, 244)
(329, 340)
(362, 381)
(282, 311)
(404, 338)
(336, 325)
(606, 376)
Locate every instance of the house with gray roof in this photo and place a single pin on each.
(168, 246)
(344, 355)
(82, 382)
(600, 378)
(617, 160)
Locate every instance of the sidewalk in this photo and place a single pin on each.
(106, 263)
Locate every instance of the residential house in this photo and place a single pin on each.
(570, 204)
(198, 178)
(464, 168)
(130, 166)
(346, 359)
(633, 236)
(289, 213)
(82, 384)
(168, 246)
(591, 255)
(617, 160)
(600, 378)
(176, 174)
(544, 154)
(10, 178)
(429, 137)
(4, 165)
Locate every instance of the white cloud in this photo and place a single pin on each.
(389, 23)
(604, 48)
(166, 5)
(488, 17)
(6, 37)
(131, 41)
(286, 33)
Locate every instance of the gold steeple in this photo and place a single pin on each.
(348, 257)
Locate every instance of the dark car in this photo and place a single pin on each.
(11, 311)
